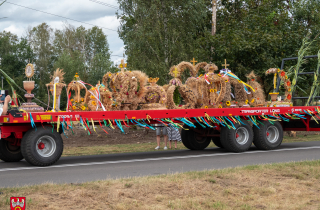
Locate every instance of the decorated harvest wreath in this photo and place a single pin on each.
(129, 90)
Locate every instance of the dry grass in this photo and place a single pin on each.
(276, 186)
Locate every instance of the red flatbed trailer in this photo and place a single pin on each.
(30, 135)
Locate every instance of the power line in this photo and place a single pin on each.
(59, 16)
(105, 4)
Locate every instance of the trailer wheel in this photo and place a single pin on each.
(193, 140)
(8, 152)
(269, 136)
(184, 137)
(237, 140)
(217, 142)
(42, 147)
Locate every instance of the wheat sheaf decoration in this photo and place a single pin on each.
(153, 80)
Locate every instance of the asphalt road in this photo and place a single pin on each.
(99, 167)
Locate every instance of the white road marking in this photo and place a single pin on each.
(154, 159)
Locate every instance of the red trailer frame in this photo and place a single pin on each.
(19, 125)
(13, 129)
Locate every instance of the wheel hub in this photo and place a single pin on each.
(46, 146)
(272, 134)
(242, 135)
(41, 146)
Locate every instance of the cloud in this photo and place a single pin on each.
(20, 18)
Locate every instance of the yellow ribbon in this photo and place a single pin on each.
(93, 126)
(58, 124)
(27, 115)
(110, 124)
(235, 120)
(312, 116)
(55, 98)
(247, 85)
(148, 116)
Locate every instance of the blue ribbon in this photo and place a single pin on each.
(199, 123)
(32, 122)
(119, 125)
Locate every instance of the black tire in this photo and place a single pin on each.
(238, 140)
(184, 137)
(217, 142)
(9, 153)
(193, 141)
(269, 136)
(42, 147)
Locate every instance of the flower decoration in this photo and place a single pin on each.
(289, 89)
(220, 106)
(82, 99)
(83, 108)
(252, 100)
(247, 101)
(211, 90)
(94, 103)
(92, 97)
(71, 100)
(75, 101)
(206, 107)
(278, 70)
(282, 74)
(228, 103)
(289, 96)
(288, 83)
(286, 77)
(74, 107)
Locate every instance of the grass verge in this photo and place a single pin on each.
(145, 147)
(273, 186)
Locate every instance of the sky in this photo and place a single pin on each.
(95, 12)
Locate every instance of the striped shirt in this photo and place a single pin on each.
(173, 133)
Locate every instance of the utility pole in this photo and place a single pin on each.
(214, 22)
(214, 17)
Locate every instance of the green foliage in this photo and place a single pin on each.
(72, 49)
(251, 35)
(256, 35)
(161, 33)
(14, 54)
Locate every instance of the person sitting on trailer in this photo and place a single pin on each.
(4, 102)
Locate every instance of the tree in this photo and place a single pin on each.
(161, 33)
(256, 35)
(14, 55)
(82, 51)
(40, 39)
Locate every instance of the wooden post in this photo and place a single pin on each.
(214, 17)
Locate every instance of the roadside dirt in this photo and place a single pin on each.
(131, 136)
